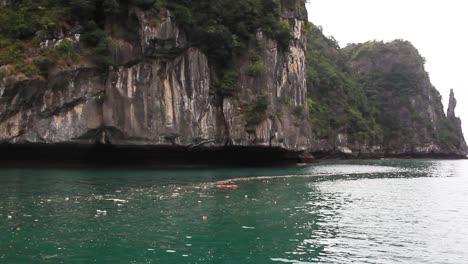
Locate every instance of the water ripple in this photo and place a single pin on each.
(384, 211)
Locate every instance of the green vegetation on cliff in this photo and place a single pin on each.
(392, 73)
(376, 93)
(222, 28)
(337, 102)
(409, 107)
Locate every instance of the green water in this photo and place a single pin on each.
(386, 211)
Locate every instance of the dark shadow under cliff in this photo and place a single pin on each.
(41, 155)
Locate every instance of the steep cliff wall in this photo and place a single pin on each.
(159, 90)
(376, 98)
(409, 108)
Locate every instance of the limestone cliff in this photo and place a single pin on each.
(376, 99)
(454, 123)
(159, 91)
(210, 75)
(409, 108)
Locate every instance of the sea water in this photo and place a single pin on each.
(381, 211)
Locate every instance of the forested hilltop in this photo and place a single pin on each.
(210, 75)
(376, 97)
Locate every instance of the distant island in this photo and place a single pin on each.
(192, 81)
(376, 97)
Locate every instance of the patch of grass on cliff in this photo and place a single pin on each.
(13, 57)
(227, 86)
(24, 18)
(99, 42)
(255, 69)
(20, 22)
(256, 113)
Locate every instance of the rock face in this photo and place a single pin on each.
(394, 92)
(451, 106)
(409, 108)
(160, 94)
(455, 124)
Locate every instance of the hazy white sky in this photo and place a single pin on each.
(438, 29)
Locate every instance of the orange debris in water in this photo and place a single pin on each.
(227, 186)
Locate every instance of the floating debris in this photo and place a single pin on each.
(117, 200)
(49, 256)
(101, 212)
(227, 186)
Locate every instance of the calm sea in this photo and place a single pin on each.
(385, 211)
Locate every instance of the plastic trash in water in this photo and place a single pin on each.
(101, 212)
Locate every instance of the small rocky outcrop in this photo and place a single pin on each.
(455, 123)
